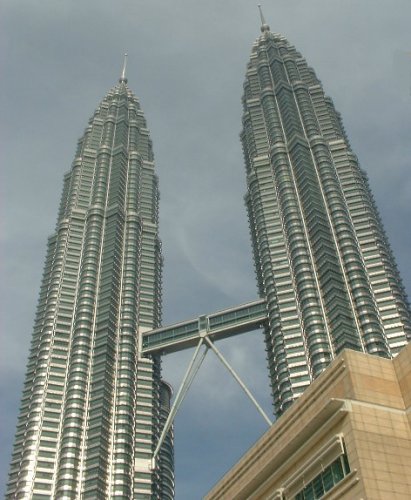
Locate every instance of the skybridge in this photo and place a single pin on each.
(220, 325)
(202, 333)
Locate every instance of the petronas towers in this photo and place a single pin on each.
(93, 405)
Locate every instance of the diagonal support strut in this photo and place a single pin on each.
(237, 378)
(191, 372)
(189, 376)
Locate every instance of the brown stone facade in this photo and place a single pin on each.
(356, 413)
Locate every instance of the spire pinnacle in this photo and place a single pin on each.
(264, 25)
(123, 72)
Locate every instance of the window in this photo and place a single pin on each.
(326, 480)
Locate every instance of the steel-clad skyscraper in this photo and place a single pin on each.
(92, 406)
(322, 258)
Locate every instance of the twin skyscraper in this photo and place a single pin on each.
(94, 404)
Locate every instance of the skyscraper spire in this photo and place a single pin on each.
(123, 72)
(264, 25)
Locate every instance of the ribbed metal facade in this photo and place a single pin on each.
(166, 455)
(91, 414)
(322, 258)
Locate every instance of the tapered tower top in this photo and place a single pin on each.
(264, 25)
(123, 72)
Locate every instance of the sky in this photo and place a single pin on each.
(187, 63)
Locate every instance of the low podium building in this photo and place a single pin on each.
(348, 436)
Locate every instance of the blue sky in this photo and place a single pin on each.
(186, 64)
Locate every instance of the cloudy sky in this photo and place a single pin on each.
(186, 63)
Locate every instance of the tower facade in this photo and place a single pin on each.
(93, 407)
(322, 259)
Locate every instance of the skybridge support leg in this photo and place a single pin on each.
(191, 372)
(237, 378)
